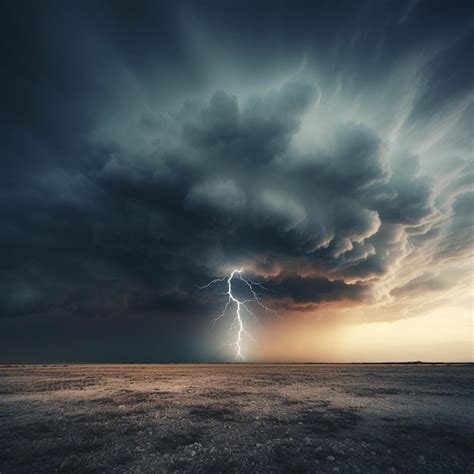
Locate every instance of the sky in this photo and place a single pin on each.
(324, 148)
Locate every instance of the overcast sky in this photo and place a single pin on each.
(150, 147)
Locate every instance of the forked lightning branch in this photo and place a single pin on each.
(238, 330)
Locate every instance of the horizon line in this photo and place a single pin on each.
(408, 362)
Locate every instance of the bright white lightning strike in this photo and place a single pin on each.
(238, 323)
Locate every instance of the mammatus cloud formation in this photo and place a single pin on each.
(136, 173)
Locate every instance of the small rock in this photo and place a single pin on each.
(330, 458)
(421, 460)
(193, 453)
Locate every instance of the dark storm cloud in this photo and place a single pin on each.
(134, 169)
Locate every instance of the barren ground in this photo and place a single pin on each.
(236, 418)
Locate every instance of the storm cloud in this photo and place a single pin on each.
(150, 148)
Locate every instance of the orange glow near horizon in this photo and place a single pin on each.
(444, 334)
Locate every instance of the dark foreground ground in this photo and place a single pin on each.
(237, 418)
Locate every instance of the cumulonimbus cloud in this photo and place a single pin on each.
(325, 204)
(323, 224)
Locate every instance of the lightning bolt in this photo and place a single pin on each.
(238, 323)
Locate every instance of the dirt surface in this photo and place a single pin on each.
(237, 418)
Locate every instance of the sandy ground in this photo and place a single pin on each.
(237, 418)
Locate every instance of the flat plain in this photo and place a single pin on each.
(236, 418)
